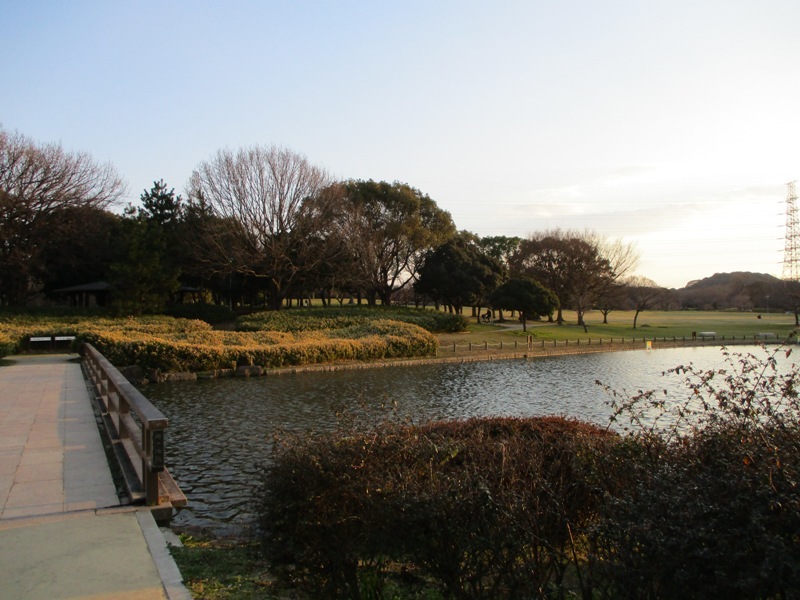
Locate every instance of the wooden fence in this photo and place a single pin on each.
(532, 344)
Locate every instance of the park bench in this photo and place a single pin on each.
(50, 342)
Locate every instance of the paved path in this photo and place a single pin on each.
(63, 533)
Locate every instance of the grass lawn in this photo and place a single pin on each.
(651, 324)
(223, 570)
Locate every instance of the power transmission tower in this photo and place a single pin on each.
(791, 268)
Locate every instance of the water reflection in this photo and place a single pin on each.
(220, 430)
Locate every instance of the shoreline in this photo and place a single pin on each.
(476, 355)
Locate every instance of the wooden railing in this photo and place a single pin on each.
(136, 430)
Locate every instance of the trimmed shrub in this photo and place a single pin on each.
(210, 313)
(714, 517)
(488, 508)
(168, 344)
(317, 318)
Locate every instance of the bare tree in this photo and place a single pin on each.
(579, 267)
(643, 293)
(622, 257)
(264, 195)
(37, 182)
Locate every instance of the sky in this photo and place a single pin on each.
(671, 125)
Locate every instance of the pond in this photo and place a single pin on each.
(220, 430)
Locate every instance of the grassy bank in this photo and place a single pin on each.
(224, 570)
(652, 324)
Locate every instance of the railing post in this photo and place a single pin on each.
(152, 462)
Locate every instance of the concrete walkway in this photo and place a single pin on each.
(63, 533)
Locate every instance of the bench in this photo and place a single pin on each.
(52, 341)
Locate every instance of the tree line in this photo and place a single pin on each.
(263, 226)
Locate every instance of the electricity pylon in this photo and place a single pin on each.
(791, 260)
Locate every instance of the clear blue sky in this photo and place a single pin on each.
(672, 124)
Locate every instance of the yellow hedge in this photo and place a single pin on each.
(170, 344)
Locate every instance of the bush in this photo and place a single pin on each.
(210, 313)
(169, 344)
(317, 319)
(711, 505)
(716, 517)
(486, 507)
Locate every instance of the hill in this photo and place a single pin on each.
(739, 290)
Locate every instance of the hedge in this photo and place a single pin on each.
(317, 318)
(484, 506)
(170, 344)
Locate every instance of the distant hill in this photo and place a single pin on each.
(739, 290)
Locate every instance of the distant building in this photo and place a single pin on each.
(88, 294)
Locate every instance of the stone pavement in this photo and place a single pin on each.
(63, 533)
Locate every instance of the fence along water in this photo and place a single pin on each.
(136, 430)
(531, 344)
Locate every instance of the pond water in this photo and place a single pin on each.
(220, 430)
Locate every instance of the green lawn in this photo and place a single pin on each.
(224, 570)
(651, 324)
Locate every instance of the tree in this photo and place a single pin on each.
(642, 292)
(143, 279)
(525, 295)
(457, 273)
(622, 258)
(80, 247)
(37, 182)
(259, 195)
(793, 294)
(613, 298)
(390, 227)
(207, 239)
(161, 205)
(500, 247)
(578, 268)
(146, 274)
